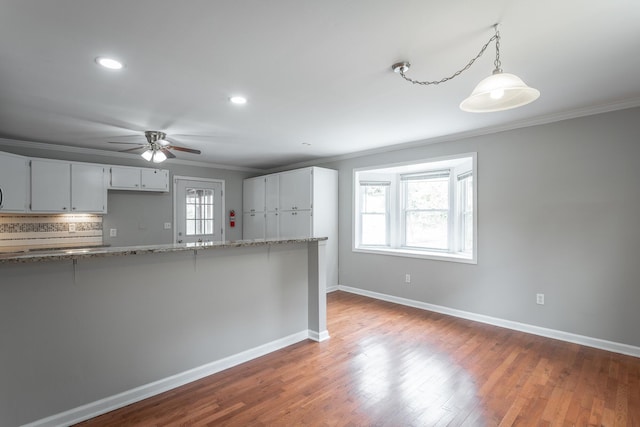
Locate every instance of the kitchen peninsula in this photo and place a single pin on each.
(85, 331)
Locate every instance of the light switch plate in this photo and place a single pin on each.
(113, 232)
(167, 226)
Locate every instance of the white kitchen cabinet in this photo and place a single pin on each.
(272, 192)
(253, 194)
(295, 189)
(88, 188)
(14, 179)
(50, 186)
(154, 179)
(299, 204)
(272, 225)
(139, 179)
(295, 224)
(58, 186)
(253, 225)
(123, 178)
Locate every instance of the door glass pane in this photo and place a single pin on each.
(199, 211)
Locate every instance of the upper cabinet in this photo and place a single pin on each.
(14, 178)
(88, 188)
(139, 179)
(58, 186)
(295, 189)
(253, 196)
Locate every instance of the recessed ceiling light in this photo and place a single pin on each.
(238, 99)
(109, 63)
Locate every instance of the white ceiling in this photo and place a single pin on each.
(315, 72)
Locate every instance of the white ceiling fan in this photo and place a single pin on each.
(157, 148)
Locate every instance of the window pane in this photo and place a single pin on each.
(468, 233)
(191, 228)
(427, 230)
(374, 229)
(374, 198)
(427, 194)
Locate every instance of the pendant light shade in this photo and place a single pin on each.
(147, 155)
(499, 92)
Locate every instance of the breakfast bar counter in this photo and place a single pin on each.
(85, 331)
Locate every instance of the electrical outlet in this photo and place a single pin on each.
(407, 278)
(167, 226)
(72, 227)
(113, 232)
(540, 299)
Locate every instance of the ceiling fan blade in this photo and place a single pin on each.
(168, 153)
(141, 147)
(120, 142)
(185, 149)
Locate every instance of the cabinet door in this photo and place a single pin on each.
(154, 179)
(50, 186)
(13, 183)
(295, 224)
(272, 225)
(272, 192)
(253, 225)
(295, 190)
(125, 178)
(88, 190)
(253, 194)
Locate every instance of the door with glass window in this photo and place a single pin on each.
(199, 210)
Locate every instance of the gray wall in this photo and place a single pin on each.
(139, 216)
(559, 212)
(125, 321)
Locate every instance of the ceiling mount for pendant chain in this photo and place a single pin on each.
(498, 92)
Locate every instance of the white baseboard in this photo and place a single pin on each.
(319, 337)
(103, 406)
(332, 288)
(509, 324)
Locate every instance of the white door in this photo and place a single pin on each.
(199, 208)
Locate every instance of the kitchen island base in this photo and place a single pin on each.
(84, 336)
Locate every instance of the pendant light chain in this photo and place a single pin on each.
(495, 37)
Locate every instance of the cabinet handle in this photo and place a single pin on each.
(64, 208)
(136, 185)
(144, 185)
(1, 198)
(73, 208)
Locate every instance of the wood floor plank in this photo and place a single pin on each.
(390, 365)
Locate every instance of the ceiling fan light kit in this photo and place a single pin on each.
(498, 92)
(157, 148)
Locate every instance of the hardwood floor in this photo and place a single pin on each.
(390, 365)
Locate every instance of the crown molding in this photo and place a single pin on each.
(534, 121)
(59, 148)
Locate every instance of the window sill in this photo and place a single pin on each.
(408, 253)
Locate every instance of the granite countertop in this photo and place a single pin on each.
(27, 256)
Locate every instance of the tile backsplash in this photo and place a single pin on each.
(50, 231)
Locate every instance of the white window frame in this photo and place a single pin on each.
(396, 227)
(387, 213)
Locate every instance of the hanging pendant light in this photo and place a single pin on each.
(498, 92)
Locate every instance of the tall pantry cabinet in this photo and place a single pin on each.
(301, 203)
